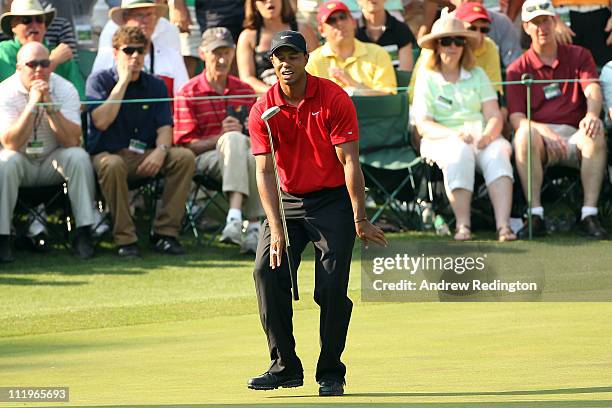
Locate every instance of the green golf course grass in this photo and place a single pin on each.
(184, 332)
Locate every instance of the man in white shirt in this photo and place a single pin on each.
(34, 137)
(164, 58)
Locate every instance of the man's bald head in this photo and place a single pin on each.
(33, 63)
(32, 51)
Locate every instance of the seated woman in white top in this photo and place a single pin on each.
(457, 115)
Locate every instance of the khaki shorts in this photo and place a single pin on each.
(191, 41)
(572, 158)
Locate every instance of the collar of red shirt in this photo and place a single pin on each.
(537, 63)
(312, 86)
(206, 88)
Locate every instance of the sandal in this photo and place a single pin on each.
(505, 234)
(464, 233)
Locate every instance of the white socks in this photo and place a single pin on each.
(539, 211)
(588, 211)
(234, 214)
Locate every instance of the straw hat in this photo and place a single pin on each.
(25, 8)
(448, 26)
(116, 13)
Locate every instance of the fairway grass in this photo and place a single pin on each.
(184, 332)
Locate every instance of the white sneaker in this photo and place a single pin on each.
(100, 224)
(232, 233)
(249, 245)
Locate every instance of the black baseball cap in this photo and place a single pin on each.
(288, 38)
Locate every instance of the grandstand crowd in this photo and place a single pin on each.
(167, 97)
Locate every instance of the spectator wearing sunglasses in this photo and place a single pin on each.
(565, 127)
(457, 115)
(26, 22)
(485, 50)
(36, 136)
(360, 68)
(134, 140)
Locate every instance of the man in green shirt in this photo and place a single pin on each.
(26, 22)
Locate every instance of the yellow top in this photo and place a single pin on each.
(487, 58)
(369, 65)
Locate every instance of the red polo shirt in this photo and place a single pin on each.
(304, 136)
(573, 62)
(197, 119)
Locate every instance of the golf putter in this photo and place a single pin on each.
(292, 272)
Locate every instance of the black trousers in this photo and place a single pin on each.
(589, 29)
(324, 218)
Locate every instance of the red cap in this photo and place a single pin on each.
(326, 10)
(472, 11)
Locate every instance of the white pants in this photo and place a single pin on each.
(459, 161)
(17, 169)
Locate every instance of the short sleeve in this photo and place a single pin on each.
(9, 111)
(404, 35)
(384, 76)
(258, 132)
(69, 99)
(185, 122)
(96, 91)
(487, 93)
(515, 93)
(587, 71)
(163, 112)
(342, 120)
(422, 104)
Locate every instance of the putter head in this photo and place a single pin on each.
(270, 112)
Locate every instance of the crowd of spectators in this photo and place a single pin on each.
(212, 58)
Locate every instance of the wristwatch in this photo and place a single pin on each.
(163, 147)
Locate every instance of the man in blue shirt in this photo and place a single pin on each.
(133, 140)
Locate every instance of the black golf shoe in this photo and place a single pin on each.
(331, 388)
(269, 381)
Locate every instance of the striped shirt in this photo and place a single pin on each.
(14, 98)
(60, 31)
(198, 119)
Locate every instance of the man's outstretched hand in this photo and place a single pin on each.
(367, 232)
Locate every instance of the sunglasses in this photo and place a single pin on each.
(44, 63)
(28, 19)
(132, 50)
(543, 6)
(484, 29)
(447, 41)
(338, 17)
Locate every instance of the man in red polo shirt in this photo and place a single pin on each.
(214, 130)
(315, 136)
(565, 123)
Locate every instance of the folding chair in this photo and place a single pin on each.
(205, 195)
(149, 188)
(388, 161)
(55, 198)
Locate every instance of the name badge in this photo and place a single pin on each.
(443, 102)
(137, 146)
(552, 91)
(35, 147)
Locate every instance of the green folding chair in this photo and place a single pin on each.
(390, 164)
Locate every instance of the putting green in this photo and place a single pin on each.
(443, 355)
(183, 332)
